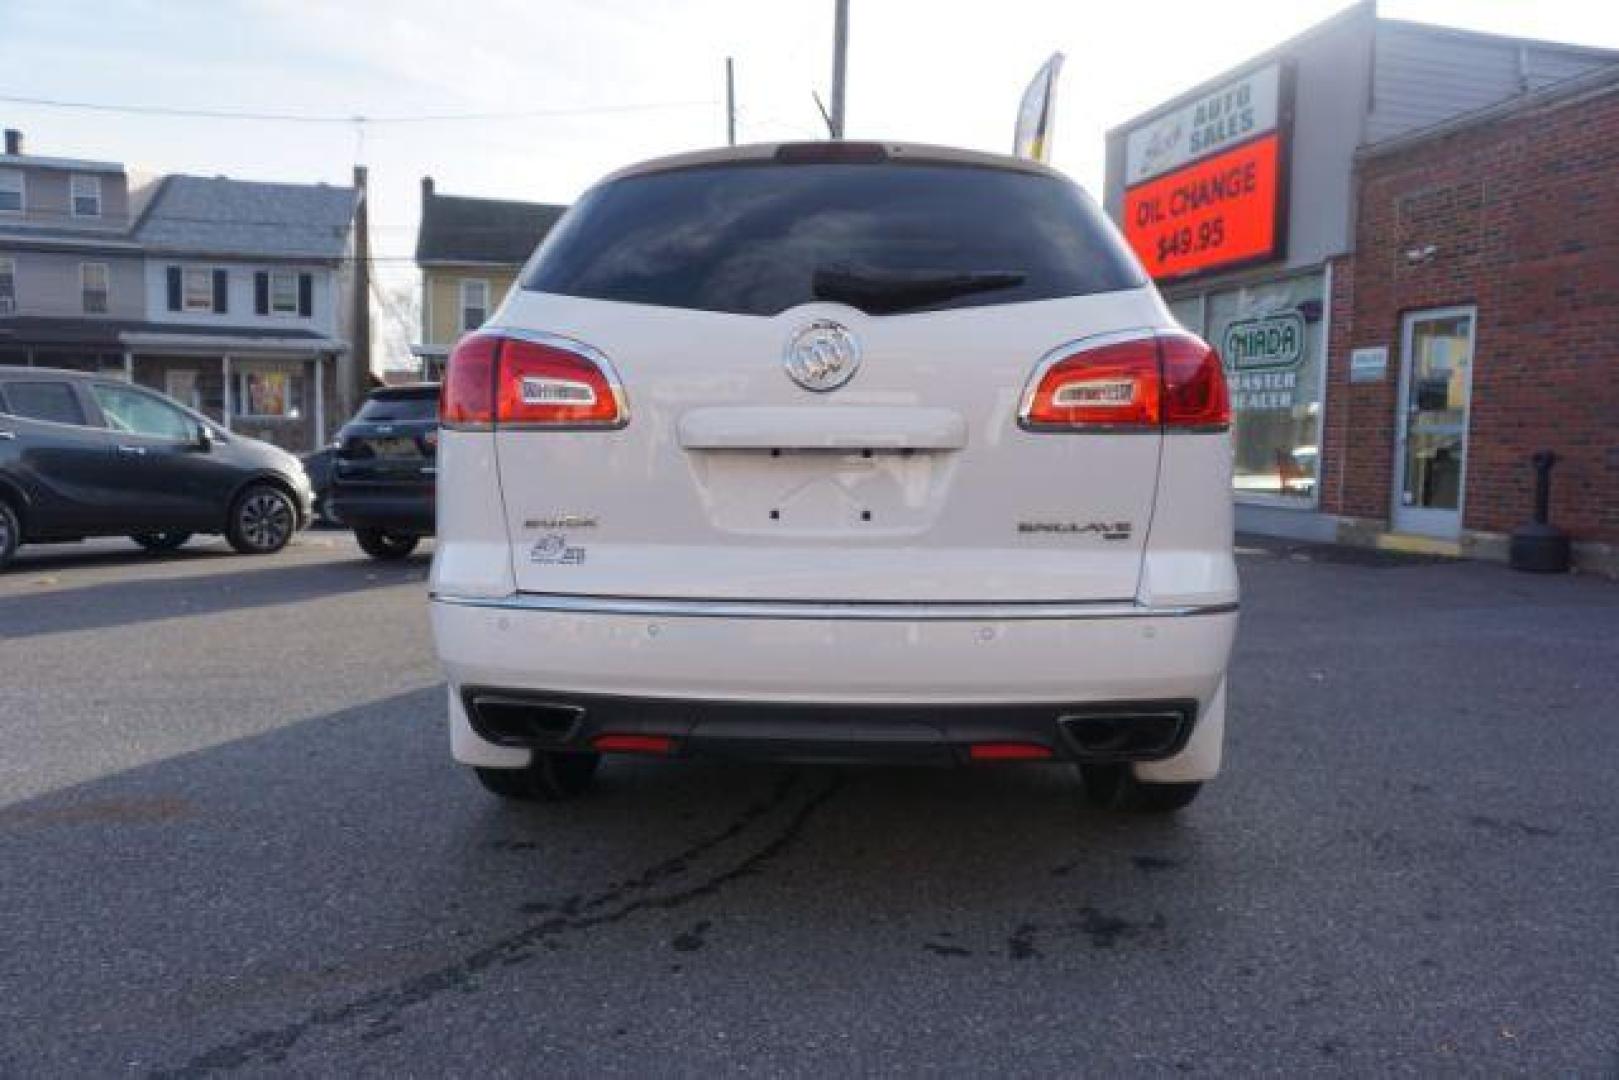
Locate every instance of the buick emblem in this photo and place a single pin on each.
(822, 356)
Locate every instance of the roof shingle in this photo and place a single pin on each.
(218, 216)
(460, 229)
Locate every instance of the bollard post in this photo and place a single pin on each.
(1539, 547)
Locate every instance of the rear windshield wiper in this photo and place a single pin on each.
(883, 292)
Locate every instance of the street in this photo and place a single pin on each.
(232, 838)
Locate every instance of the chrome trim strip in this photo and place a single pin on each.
(838, 610)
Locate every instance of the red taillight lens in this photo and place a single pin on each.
(1171, 379)
(546, 384)
(1195, 392)
(495, 380)
(468, 396)
(1109, 385)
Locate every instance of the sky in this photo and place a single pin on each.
(610, 82)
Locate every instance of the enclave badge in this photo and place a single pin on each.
(1107, 530)
(822, 356)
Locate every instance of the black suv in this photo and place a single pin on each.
(85, 455)
(385, 470)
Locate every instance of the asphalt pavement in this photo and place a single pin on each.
(232, 840)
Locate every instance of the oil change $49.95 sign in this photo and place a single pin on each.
(1212, 213)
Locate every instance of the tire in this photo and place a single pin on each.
(262, 521)
(551, 777)
(1115, 787)
(160, 541)
(10, 533)
(381, 544)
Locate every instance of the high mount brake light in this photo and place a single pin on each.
(832, 152)
(1145, 381)
(501, 381)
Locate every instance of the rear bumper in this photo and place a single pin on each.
(363, 506)
(837, 682)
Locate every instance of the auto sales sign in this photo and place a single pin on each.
(1204, 184)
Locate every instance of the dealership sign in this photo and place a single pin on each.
(1273, 341)
(1204, 184)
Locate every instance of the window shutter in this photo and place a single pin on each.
(306, 294)
(221, 292)
(261, 292)
(174, 288)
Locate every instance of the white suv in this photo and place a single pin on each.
(836, 452)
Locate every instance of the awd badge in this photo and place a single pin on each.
(554, 550)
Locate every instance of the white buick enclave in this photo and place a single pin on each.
(836, 452)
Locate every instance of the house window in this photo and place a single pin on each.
(93, 283)
(283, 292)
(474, 303)
(198, 293)
(86, 196)
(8, 286)
(11, 191)
(269, 394)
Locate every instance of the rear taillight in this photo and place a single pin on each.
(468, 396)
(1195, 394)
(1169, 379)
(497, 380)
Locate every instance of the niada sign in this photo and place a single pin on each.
(1271, 341)
(1233, 113)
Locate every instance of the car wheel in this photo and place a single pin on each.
(10, 533)
(160, 541)
(550, 777)
(1115, 787)
(262, 521)
(380, 544)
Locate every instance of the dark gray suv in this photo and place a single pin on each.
(84, 455)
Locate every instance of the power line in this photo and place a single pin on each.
(353, 118)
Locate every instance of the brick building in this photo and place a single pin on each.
(1510, 217)
(1405, 241)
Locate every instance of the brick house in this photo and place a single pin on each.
(1401, 238)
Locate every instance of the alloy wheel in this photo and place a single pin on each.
(265, 520)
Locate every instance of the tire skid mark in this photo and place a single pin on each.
(380, 1009)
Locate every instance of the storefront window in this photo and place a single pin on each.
(1273, 339)
(1188, 311)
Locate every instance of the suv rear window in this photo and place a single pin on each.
(400, 408)
(54, 401)
(759, 238)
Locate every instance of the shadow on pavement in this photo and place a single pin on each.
(319, 880)
(240, 582)
(75, 555)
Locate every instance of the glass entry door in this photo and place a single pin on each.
(1436, 381)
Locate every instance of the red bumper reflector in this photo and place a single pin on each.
(1008, 751)
(634, 744)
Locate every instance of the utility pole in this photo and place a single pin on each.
(840, 57)
(730, 103)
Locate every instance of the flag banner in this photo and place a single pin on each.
(1037, 114)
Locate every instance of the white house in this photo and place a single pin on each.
(249, 304)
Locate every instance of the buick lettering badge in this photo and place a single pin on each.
(822, 356)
